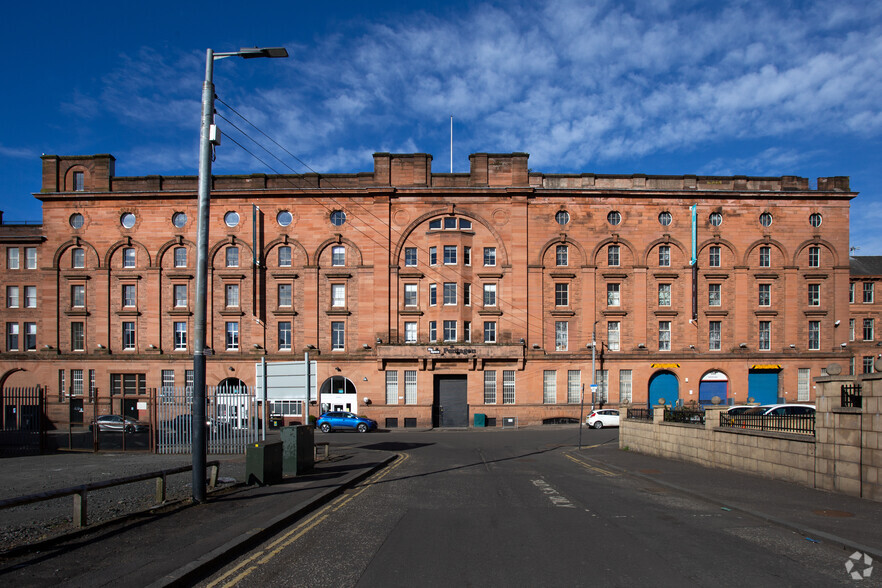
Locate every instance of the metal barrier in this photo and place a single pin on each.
(231, 420)
(640, 414)
(801, 424)
(80, 492)
(684, 415)
(851, 396)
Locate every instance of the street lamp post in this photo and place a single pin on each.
(198, 441)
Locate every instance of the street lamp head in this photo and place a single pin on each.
(252, 52)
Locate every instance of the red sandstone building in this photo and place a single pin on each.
(427, 298)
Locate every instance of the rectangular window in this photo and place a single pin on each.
(232, 336)
(433, 294)
(851, 293)
(765, 335)
(167, 391)
(613, 330)
(78, 296)
(128, 384)
(664, 255)
(489, 294)
(714, 256)
(450, 330)
(128, 257)
(574, 386)
(78, 258)
(76, 383)
(467, 294)
(338, 295)
(128, 335)
(284, 335)
(286, 407)
(180, 257)
(489, 256)
(449, 293)
(814, 294)
(489, 331)
(449, 254)
(79, 183)
(433, 331)
(467, 331)
(714, 335)
(77, 336)
(12, 297)
(410, 387)
(561, 294)
(803, 382)
(391, 387)
(410, 260)
(714, 294)
(231, 295)
(410, 295)
(508, 386)
(433, 256)
(128, 295)
(814, 257)
(467, 255)
(868, 329)
(61, 385)
(338, 335)
(30, 293)
(549, 387)
(11, 336)
(180, 336)
(664, 294)
(765, 294)
(851, 329)
(30, 336)
(562, 255)
(624, 386)
(180, 295)
(664, 335)
(561, 335)
(613, 292)
(93, 387)
(338, 255)
(12, 258)
(851, 364)
(868, 364)
(410, 332)
(868, 292)
(814, 335)
(285, 299)
(612, 255)
(285, 256)
(489, 386)
(30, 258)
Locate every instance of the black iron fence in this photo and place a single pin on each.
(640, 414)
(693, 416)
(22, 421)
(851, 396)
(801, 424)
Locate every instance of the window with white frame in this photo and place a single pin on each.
(391, 387)
(231, 257)
(562, 255)
(129, 295)
(12, 258)
(851, 293)
(12, 300)
(410, 332)
(714, 335)
(868, 329)
(624, 386)
(180, 329)
(167, 390)
(410, 260)
(713, 256)
(765, 335)
(285, 297)
(467, 255)
(79, 183)
(664, 294)
(765, 294)
(467, 294)
(714, 294)
(561, 335)
(549, 387)
(338, 295)
(561, 294)
(814, 335)
(664, 335)
(76, 383)
(78, 258)
(765, 256)
(410, 295)
(433, 255)
(602, 386)
(180, 257)
(30, 296)
(612, 255)
(284, 335)
(613, 294)
(30, 258)
(574, 386)
(489, 256)
(128, 255)
(11, 336)
(613, 334)
(449, 293)
(508, 386)
(467, 331)
(868, 292)
(489, 294)
(489, 331)
(231, 295)
(449, 330)
(30, 330)
(450, 255)
(410, 387)
(814, 254)
(292, 408)
(128, 335)
(489, 386)
(77, 336)
(78, 296)
(433, 331)
(664, 255)
(232, 336)
(338, 256)
(803, 383)
(851, 329)
(338, 335)
(433, 294)
(285, 256)
(179, 292)
(814, 294)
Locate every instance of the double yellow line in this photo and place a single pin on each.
(273, 549)
(594, 469)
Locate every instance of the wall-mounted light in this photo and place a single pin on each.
(535, 346)
(364, 379)
(641, 346)
(379, 340)
(742, 345)
(792, 346)
(337, 369)
(310, 346)
(843, 345)
(836, 324)
(692, 347)
(366, 346)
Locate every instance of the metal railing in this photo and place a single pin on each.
(801, 424)
(692, 416)
(640, 414)
(851, 396)
(80, 492)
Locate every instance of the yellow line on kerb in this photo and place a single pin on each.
(273, 549)
(595, 469)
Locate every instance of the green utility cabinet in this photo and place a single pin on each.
(480, 419)
(298, 449)
(263, 463)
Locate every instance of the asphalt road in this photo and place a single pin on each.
(524, 508)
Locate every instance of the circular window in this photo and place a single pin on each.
(231, 218)
(665, 218)
(77, 221)
(562, 217)
(127, 220)
(716, 219)
(815, 220)
(766, 219)
(614, 217)
(179, 219)
(284, 218)
(338, 217)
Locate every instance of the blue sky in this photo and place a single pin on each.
(658, 87)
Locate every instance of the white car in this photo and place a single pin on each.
(603, 418)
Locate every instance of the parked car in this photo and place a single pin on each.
(115, 422)
(782, 409)
(342, 420)
(181, 424)
(739, 409)
(606, 417)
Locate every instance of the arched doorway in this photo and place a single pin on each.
(713, 383)
(663, 385)
(230, 404)
(338, 393)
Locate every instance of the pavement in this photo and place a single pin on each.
(182, 543)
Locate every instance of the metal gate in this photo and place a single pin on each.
(22, 421)
(231, 419)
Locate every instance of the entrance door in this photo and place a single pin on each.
(130, 407)
(76, 411)
(451, 407)
(664, 385)
(762, 386)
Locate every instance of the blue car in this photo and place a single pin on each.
(342, 420)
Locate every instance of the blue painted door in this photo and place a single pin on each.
(762, 386)
(663, 385)
(707, 390)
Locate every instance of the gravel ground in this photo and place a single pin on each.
(50, 518)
